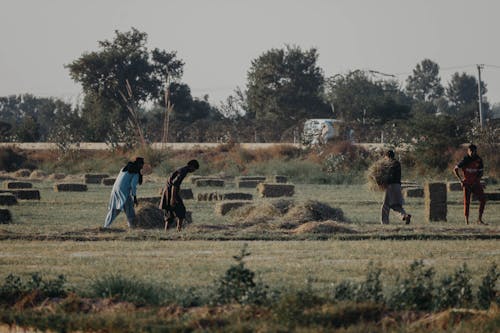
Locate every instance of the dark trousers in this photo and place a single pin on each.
(477, 190)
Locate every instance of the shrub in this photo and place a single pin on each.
(415, 290)
(487, 292)
(238, 285)
(14, 288)
(454, 290)
(11, 160)
(369, 290)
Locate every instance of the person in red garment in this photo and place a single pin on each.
(472, 169)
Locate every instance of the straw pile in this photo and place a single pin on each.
(26, 194)
(70, 187)
(149, 217)
(269, 190)
(108, 181)
(413, 192)
(15, 184)
(312, 210)
(211, 196)
(277, 179)
(7, 199)
(435, 201)
(378, 174)
(209, 182)
(91, 178)
(22, 173)
(5, 216)
(454, 186)
(222, 208)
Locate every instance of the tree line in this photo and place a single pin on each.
(132, 93)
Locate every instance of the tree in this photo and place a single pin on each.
(425, 84)
(285, 86)
(125, 61)
(462, 94)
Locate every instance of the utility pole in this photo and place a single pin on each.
(480, 96)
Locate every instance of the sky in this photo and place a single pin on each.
(218, 39)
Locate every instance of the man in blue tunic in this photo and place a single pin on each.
(171, 201)
(123, 196)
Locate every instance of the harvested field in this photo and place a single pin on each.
(5, 216)
(16, 185)
(326, 227)
(268, 190)
(70, 187)
(7, 199)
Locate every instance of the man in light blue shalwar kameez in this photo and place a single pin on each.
(123, 196)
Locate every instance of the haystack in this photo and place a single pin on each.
(22, 173)
(23, 194)
(312, 210)
(256, 213)
(7, 199)
(435, 197)
(15, 184)
(269, 190)
(5, 216)
(108, 181)
(149, 217)
(209, 182)
(209, 196)
(94, 178)
(378, 174)
(70, 187)
(326, 227)
(413, 192)
(236, 196)
(222, 208)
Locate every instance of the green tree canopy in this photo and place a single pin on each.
(424, 84)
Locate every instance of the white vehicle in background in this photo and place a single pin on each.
(320, 131)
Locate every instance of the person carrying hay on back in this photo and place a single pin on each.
(171, 201)
(123, 195)
(386, 173)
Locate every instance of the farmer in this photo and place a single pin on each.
(171, 201)
(123, 195)
(393, 198)
(472, 168)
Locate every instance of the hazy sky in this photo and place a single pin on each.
(218, 39)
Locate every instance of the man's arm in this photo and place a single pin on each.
(173, 194)
(457, 174)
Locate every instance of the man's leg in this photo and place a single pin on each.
(467, 196)
(385, 209)
(402, 213)
(478, 191)
(130, 212)
(110, 217)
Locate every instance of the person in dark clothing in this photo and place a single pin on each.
(393, 198)
(472, 168)
(171, 202)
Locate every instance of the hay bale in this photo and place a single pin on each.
(26, 194)
(22, 173)
(413, 192)
(435, 197)
(248, 183)
(454, 186)
(222, 208)
(492, 196)
(312, 210)
(5, 216)
(16, 184)
(154, 201)
(326, 227)
(209, 182)
(38, 174)
(108, 181)
(251, 178)
(277, 179)
(7, 199)
(57, 176)
(70, 187)
(269, 190)
(236, 196)
(186, 194)
(149, 217)
(94, 178)
(378, 174)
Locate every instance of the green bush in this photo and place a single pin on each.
(487, 292)
(14, 288)
(415, 290)
(290, 307)
(455, 290)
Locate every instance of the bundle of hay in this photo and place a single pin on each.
(222, 208)
(248, 183)
(378, 174)
(269, 190)
(236, 196)
(91, 178)
(70, 187)
(326, 227)
(5, 216)
(108, 181)
(149, 216)
(15, 184)
(312, 210)
(211, 196)
(7, 199)
(435, 200)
